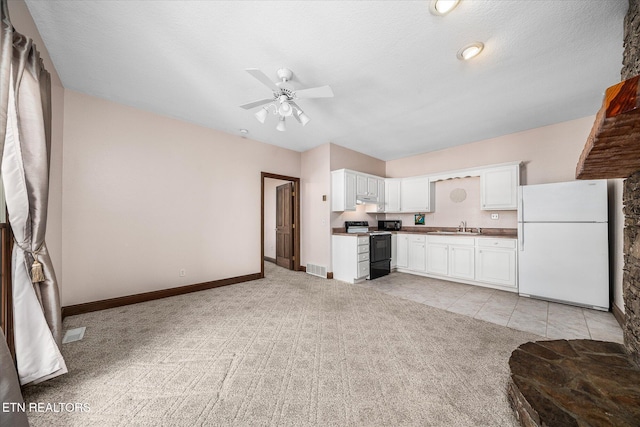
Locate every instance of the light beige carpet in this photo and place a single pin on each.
(290, 349)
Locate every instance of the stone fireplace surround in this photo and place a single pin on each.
(585, 382)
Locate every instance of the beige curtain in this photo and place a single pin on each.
(26, 126)
(10, 391)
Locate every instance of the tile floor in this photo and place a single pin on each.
(548, 319)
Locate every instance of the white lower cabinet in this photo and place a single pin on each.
(483, 261)
(417, 253)
(496, 262)
(394, 251)
(438, 259)
(402, 257)
(350, 257)
(451, 256)
(480, 261)
(461, 262)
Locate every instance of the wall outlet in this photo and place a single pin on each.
(182, 272)
(495, 216)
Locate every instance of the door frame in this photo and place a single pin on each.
(296, 218)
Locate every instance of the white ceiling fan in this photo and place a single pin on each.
(284, 97)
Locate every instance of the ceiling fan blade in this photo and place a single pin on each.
(256, 103)
(315, 92)
(263, 78)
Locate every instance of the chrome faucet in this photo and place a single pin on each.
(462, 227)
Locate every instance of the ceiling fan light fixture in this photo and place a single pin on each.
(442, 7)
(284, 98)
(304, 119)
(285, 109)
(470, 51)
(262, 114)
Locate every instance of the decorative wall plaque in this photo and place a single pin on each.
(458, 195)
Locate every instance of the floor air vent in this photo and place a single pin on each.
(74, 335)
(317, 270)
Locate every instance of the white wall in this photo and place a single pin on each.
(270, 186)
(146, 195)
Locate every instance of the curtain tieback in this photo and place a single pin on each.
(37, 273)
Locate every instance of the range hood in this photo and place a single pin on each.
(365, 200)
(613, 147)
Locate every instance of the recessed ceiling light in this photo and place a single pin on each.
(442, 7)
(470, 51)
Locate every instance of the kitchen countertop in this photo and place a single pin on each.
(507, 233)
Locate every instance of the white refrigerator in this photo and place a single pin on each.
(563, 243)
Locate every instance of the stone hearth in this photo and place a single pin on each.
(574, 383)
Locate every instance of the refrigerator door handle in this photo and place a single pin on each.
(520, 236)
(521, 204)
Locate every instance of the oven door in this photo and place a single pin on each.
(379, 247)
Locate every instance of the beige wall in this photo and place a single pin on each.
(317, 218)
(270, 185)
(146, 196)
(23, 23)
(549, 153)
(314, 212)
(344, 158)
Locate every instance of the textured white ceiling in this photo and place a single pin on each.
(399, 88)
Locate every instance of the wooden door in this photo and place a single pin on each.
(284, 225)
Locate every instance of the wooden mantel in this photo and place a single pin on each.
(613, 147)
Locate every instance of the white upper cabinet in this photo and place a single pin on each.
(417, 194)
(380, 206)
(372, 186)
(343, 191)
(367, 185)
(499, 188)
(361, 187)
(392, 194)
(349, 188)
